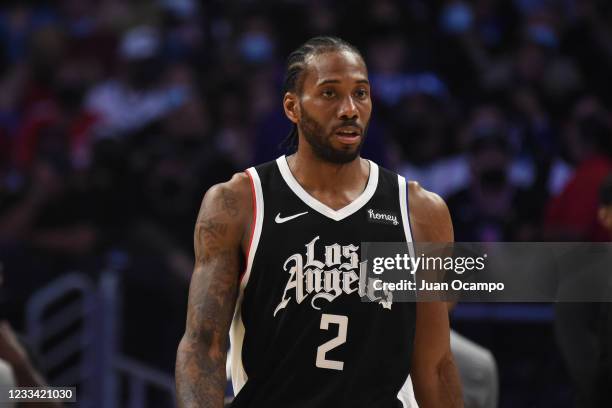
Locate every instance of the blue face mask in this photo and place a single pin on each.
(256, 47)
(456, 18)
(543, 35)
(528, 7)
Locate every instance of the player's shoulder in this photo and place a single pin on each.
(429, 214)
(420, 197)
(238, 184)
(232, 197)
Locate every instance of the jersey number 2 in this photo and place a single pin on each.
(342, 322)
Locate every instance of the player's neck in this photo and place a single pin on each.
(314, 173)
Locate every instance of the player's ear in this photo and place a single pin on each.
(291, 106)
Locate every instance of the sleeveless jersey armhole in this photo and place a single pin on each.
(237, 330)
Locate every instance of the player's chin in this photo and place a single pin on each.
(345, 153)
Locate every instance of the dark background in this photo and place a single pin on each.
(116, 117)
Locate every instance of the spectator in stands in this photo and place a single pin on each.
(492, 208)
(572, 215)
(53, 214)
(135, 98)
(59, 118)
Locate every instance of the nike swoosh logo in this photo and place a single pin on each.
(280, 220)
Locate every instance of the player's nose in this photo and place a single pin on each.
(348, 109)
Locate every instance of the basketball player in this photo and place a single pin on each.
(277, 257)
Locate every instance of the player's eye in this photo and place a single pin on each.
(361, 93)
(328, 93)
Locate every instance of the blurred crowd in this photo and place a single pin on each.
(116, 116)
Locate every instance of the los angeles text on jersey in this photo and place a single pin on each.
(339, 273)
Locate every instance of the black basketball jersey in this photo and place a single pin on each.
(301, 335)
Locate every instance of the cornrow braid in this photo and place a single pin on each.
(296, 64)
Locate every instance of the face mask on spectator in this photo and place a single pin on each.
(256, 47)
(456, 18)
(144, 74)
(493, 179)
(70, 94)
(543, 35)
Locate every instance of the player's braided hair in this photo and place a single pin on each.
(296, 64)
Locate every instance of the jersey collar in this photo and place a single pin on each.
(336, 215)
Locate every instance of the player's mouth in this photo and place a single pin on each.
(348, 134)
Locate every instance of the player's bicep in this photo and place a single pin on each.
(220, 223)
(214, 284)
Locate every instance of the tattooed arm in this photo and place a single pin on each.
(218, 239)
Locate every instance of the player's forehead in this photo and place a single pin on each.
(343, 66)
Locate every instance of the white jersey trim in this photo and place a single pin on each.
(406, 393)
(403, 198)
(336, 215)
(239, 376)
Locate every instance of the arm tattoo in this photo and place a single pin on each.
(201, 361)
(200, 366)
(208, 234)
(229, 202)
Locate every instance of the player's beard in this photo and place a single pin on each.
(314, 133)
